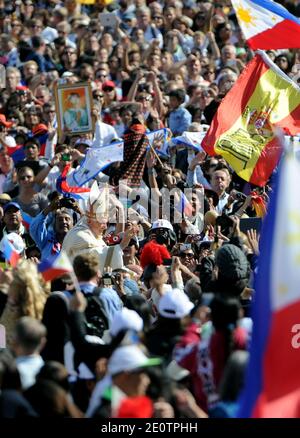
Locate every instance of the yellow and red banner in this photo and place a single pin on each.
(243, 129)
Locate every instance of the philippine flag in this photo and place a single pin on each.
(55, 267)
(10, 254)
(78, 193)
(267, 25)
(272, 387)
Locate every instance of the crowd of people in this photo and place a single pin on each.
(155, 320)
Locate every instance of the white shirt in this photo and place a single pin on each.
(28, 367)
(222, 202)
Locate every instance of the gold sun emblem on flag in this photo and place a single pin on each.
(244, 15)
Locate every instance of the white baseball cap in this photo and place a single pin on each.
(174, 304)
(129, 358)
(162, 223)
(126, 319)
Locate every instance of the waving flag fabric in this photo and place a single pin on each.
(96, 160)
(190, 139)
(165, 134)
(273, 380)
(10, 254)
(63, 187)
(267, 25)
(55, 267)
(242, 130)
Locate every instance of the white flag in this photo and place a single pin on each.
(96, 160)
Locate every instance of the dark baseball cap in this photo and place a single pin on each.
(10, 205)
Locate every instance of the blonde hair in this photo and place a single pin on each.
(26, 288)
(28, 63)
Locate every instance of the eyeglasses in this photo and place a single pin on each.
(98, 96)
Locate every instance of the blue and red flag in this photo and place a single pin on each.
(55, 267)
(10, 254)
(26, 220)
(267, 25)
(185, 207)
(75, 192)
(272, 387)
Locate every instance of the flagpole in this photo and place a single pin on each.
(156, 155)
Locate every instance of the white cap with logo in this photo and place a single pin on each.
(174, 304)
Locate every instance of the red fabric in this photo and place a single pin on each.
(187, 357)
(282, 35)
(135, 407)
(39, 129)
(234, 104)
(153, 253)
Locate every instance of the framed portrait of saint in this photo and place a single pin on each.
(74, 108)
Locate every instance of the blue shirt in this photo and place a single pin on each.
(179, 120)
(43, 234)
(111, 302)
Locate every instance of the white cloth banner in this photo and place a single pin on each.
(96, 160)
(190, 139)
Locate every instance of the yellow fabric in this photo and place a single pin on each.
(272, 100)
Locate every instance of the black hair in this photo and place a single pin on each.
(142, 307)
(55, 372)
(179, 94)
(36, 42)
(32, 140)
(234, 376)
(148, 274)
(224, 316)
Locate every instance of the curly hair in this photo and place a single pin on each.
(27, 295)
(26, 288)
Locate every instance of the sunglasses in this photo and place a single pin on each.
(141, 99)
(108, 89)
(187, 256)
